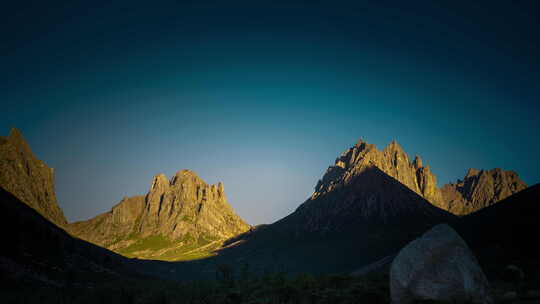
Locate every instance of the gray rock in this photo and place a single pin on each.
(438, 266)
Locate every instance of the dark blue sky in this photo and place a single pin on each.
(265, 96)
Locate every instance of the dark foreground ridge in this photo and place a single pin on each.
(38, 251)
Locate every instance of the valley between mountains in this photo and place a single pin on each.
(367, 206)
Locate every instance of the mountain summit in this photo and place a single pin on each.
(28, 178)
(392, 160)
(176, 214)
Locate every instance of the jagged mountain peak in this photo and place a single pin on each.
(394, 146)
(417, 162)
(185, 210)
(392, 160)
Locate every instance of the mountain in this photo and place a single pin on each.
(361, 160)
(28, 178)
(177, 219)
(480, 189)
(370, 187)
(36, 250)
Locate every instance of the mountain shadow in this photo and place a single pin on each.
(36, 250)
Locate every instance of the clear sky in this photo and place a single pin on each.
(265, 96)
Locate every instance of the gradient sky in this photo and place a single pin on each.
(265, 96)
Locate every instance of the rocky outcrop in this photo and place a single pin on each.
(480, 189)
(438, 266)
(28, 178)
(183, 209)
(392, 160)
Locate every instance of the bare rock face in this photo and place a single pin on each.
(438, 266)
(28, 178)
(187, 205)
(480, 189)
(392, 161)
(184, 207)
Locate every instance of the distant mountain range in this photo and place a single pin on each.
(368, 205)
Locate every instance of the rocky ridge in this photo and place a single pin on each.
(480, 189)
(181, 211)
(28, 178)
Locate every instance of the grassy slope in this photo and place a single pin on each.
(159, 247)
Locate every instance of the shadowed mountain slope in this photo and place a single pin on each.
(506, 232)
(177, 219)
(37, 250)
(28, 178)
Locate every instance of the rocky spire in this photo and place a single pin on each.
(417, 162)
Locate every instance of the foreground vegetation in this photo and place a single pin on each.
(227, 287)
(232, 286)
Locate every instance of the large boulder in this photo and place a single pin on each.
(438, 266)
